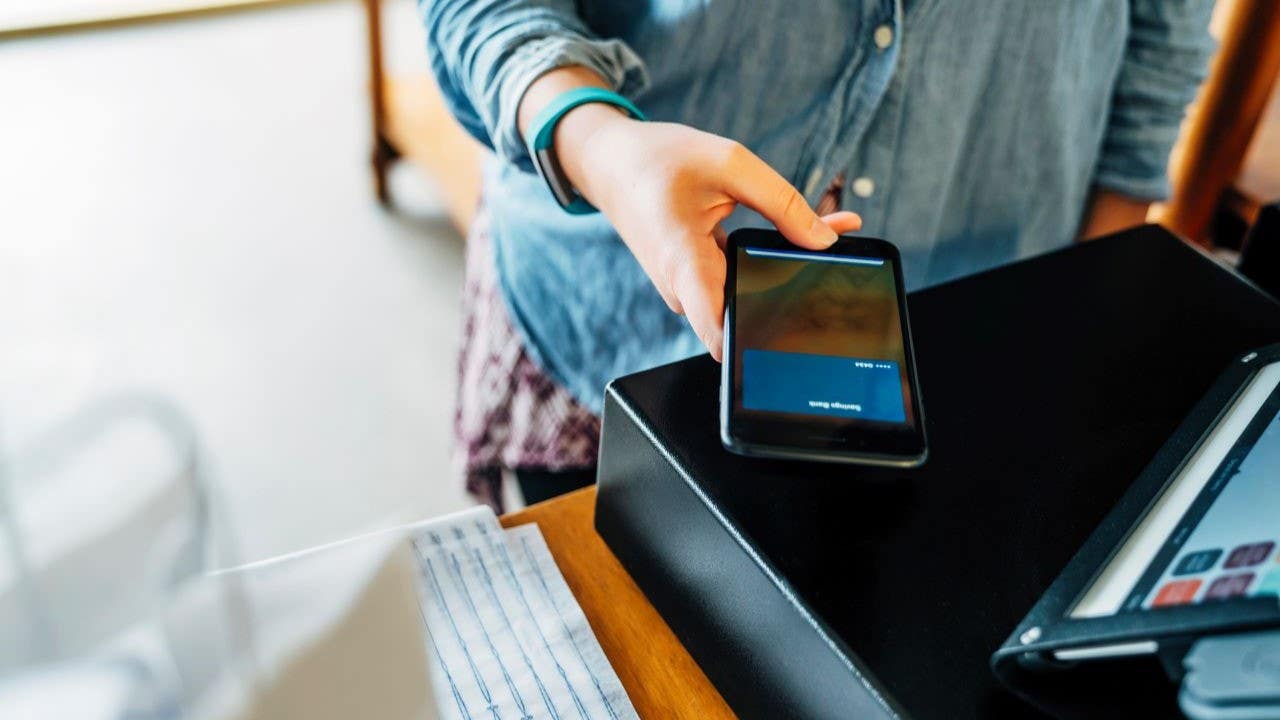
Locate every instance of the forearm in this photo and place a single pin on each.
(485, 54)
(1109, 211)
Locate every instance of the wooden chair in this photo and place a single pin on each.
(1224, 122)
(410, 121)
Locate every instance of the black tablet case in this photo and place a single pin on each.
(1026, 654)
(808, 590)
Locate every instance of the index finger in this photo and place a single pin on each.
(752, 182)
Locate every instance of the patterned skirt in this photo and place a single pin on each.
(510, 414)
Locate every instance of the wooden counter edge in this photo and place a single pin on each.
(658, 673)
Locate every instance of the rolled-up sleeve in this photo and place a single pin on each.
(486, 53)
(1165, 61)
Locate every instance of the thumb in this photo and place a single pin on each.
(843, 221)
(752, 182)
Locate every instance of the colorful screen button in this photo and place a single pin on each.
(1178, 592)
(1228, 586)
(1197, 562)
(1247, 555)
(1270, 584)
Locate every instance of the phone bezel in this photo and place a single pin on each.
(812, 438)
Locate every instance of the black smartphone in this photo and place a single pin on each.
(818, 363)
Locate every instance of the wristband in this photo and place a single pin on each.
(542, 133)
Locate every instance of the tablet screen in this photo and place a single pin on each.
(1214, 533)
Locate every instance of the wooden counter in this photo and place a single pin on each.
(661, 678)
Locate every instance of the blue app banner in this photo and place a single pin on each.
(822, 385)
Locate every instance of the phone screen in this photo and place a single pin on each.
(820, 347)
(820, 335)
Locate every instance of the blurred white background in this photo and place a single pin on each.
(186, 208)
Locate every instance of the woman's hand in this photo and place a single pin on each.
(666, 188)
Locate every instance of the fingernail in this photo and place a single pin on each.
(821, 233)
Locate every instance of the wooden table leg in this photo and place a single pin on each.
(384, 152)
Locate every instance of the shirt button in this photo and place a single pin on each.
(864, 187)
(883, 36)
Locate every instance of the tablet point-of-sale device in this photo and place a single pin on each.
(818, 361)
(1191, 551)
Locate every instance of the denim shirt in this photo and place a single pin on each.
(970, 131)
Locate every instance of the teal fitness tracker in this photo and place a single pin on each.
(542, 132)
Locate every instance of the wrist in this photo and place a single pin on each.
(576, 135)
(548, 86)
(565, 123)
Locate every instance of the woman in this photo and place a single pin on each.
(969, 134)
